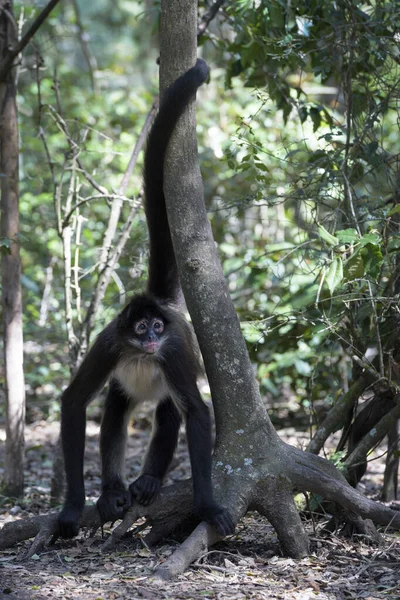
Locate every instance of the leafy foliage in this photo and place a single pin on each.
(318, 279)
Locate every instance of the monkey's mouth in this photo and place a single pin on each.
(151, 347)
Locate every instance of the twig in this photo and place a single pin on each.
(349, 198)
(117, 201)
(349, 105)
(377, 333)
(79, 221)
(44, 305)
(7, 64)
(40, 127)
(60, 122)
(89, 57)
(139, 145)
(120, 286)
(104, 277)
(110, 256)
(208, 16)
(90, 199)
(66, 235)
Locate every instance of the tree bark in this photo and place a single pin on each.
(11, 266)
(391, 476)
(245, 435)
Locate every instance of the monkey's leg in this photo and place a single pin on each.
(73, 426)
(115, 498)
(198, 430)
(159, 455)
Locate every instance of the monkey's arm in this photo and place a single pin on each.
(89, 379)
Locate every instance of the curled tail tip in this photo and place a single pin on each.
(202, 70)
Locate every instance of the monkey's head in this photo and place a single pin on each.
(142, 325)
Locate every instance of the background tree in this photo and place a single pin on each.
(10, 49)
(13, 480)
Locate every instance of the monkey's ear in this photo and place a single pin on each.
(125, 318)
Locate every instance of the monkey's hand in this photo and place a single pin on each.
(69, 521)
(145, 489)
(113, 504)
(217, 516)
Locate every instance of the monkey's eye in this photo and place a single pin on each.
(158, 326)
(141, 327)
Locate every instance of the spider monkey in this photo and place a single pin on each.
(147, 352)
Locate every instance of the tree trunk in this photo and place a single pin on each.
(11, 266)
(391, 476)
(253, 468)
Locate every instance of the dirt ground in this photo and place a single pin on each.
(246, 565)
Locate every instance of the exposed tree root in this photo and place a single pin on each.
(264, 485)
(41, 528)
(192, 548)
(273, 498)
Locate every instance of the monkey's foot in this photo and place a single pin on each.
(219, 517)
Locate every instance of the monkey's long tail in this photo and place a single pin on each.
(163, 273)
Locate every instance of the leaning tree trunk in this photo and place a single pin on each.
(11, 265)
(253, 467)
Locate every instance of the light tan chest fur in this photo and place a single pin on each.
(142, 379)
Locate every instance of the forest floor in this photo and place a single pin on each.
(246, 565)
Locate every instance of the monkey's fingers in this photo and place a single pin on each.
(145, 489)
(69, 522)
(113, 504)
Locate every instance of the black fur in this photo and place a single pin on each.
(161, 364)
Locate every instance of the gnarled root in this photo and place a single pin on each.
(262, 484)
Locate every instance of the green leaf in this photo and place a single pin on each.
(315, 117)
(394, 244)
(373, 259)
(327, 237)
(354, 267)
(334, 275)
(5, 245)
(370, 238)
(303, 113)
(302, 367)
(394, 210)
(252, 333)
(347, 236)
(262, 167)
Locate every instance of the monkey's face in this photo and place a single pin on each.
(143, 326)
(148, 334)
